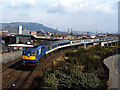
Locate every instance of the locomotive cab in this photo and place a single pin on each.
(32, 55)
(29, 58)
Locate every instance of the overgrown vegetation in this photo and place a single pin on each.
(81, 68)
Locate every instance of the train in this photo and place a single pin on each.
(32, 55)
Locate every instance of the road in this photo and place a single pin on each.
(115, 64)
(112, 63)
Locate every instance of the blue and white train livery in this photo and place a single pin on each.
(32, 55)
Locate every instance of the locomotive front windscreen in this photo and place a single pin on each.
(29, 52)
(33, 53)
(24, 52)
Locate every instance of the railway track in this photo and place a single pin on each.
(8, 64)
(9, 75)
(21, 86)
(6, 67)
(6, 71)
(9, 71)
(19, 78)
(28, 76)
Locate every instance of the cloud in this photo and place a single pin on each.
(87, 6)
(19, 3)
(31, 2)
(106, 7)
(77, 14)
(12, 5)
(23, 15)
(55, 8)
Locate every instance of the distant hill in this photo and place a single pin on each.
(33, 26)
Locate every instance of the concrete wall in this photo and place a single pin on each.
(102, 43)
(6, 57)
(95, 44)
(109, 44)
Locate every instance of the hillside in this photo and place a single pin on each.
(33, 26)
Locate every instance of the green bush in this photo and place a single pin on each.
(64, 75)
(76, 79)
(50, 82)
(91, 58)
(85, 80)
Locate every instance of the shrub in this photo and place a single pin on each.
(85, 80)
(63, 75)
(50, 82)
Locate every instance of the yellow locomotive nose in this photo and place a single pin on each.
(29, 57)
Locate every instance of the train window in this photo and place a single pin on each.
(44, 48)
(55, 45)
(47, 48)
(29, 52)
(33, 53)
(52, 47)
(24, 52)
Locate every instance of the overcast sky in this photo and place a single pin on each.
(80, 15)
